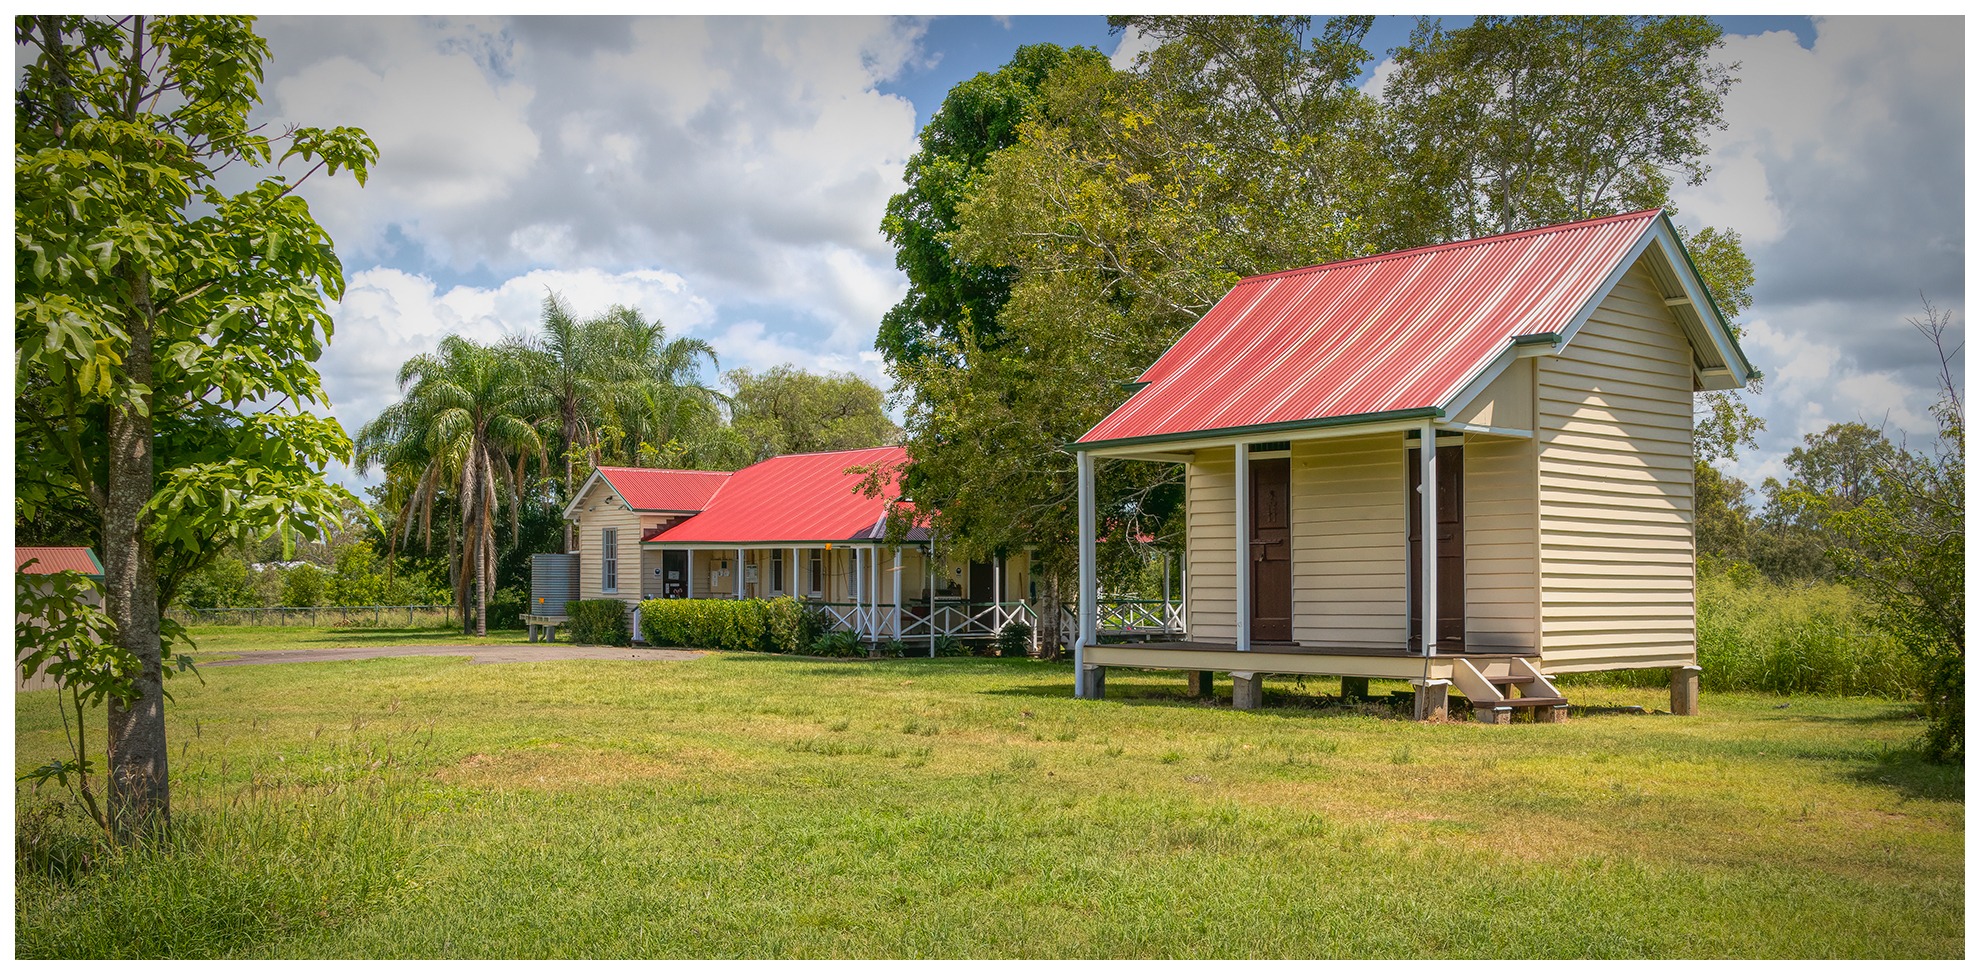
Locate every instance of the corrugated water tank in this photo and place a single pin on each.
(553, 581)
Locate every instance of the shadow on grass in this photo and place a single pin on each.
(1276, 704)
(1913, 775)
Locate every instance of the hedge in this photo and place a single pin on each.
(597, 621)
(781, 625)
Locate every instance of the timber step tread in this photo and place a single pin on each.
(1510, 679)
(1522, 702)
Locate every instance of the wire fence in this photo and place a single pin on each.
(342, 616)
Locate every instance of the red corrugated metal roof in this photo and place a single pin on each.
(653, 489)
(50, 559)
(1376, 335)
(795, 498)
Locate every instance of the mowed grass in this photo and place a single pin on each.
(232, 640)
(758, 806)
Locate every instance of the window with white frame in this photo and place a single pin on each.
(817, 572)
(777, 572)
(608, 547)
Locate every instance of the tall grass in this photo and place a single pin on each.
(232, 878)
(1811, 638)
(1800, 638)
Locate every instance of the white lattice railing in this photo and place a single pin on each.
(1127, 617)
(963, 620)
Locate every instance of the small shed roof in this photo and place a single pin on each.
(797, 498)
(1393, 335)
(655, 489)
(50, 559)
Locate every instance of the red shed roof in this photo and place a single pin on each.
(1377, 336)
(796, 498)
(50, 559)
(654, 489)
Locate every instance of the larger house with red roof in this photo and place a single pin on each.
(1553, 370)
(802, 525)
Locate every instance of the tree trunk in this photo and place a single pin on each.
(140, 795)
(484, 566)
(1049, 609)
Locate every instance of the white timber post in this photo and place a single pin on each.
(1243, 546)
(739, 571)
(1089, 579)
(791, 575)
(1427, 504)
(859, 606)
(996, 594)
(897, 593)
(928, 556)
(690, 573)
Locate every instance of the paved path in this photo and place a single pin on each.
(491, 654)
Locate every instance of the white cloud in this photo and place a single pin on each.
(1842, 166)
(1133, 44)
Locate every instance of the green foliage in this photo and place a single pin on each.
(302, 586)
(1814, 638)
(226, 581)
(1518, 122)
(466, 425)
(838, 643)
(1015, 640)
(785, 410)
(166, 322)
(781, 625)
(951, 301)
(792, 625)
(506, 607)
(598, 622)
(59, 631)
(1902, 543)
(145, 289)
(948, 646)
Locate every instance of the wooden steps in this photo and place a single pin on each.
(1508, 686)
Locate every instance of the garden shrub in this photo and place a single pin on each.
(597, 621)
(782, 625)
(1015, 640)
(838, 643)
(505, 607)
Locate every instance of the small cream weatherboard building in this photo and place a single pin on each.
(1553, 369)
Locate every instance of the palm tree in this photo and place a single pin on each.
(466, 427)
(572, 368)
(659, 395)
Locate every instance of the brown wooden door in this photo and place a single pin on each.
(981, 585)
(1271, 551)
(1450, 548)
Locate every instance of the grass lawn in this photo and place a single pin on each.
(234, 640)
(757, 806)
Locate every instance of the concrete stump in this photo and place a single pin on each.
(1247, 691)
(1202, 683)
(1354, 688)
(1433, 700)
(1684, 690)
(1553, 715)
(1095, 682)
(1492, 715)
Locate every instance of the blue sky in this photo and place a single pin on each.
(728, 176)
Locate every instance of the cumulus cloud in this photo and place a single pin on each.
(1842, 165)
(754, 156)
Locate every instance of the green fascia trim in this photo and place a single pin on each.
(1731, 339)
(1134, 385)
(1537, 338)
(1353, 419)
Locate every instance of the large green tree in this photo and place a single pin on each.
(165, 329)
(786, 410)
(949, 298)
(1517, 122)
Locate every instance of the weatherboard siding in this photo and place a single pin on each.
(1349, 540)
(601, 509)
(1613, 435)
(1211, 591)
(1501, 542)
